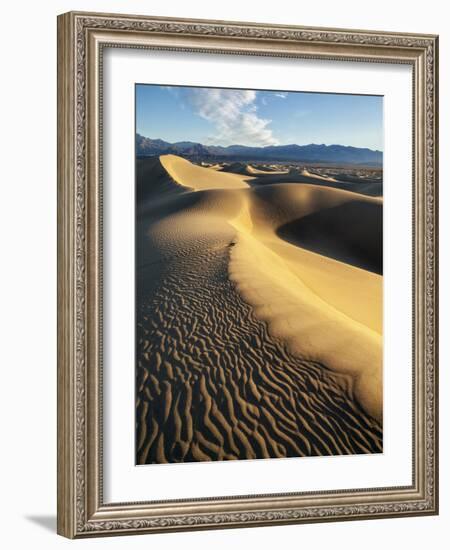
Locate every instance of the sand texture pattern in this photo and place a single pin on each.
(259, 317)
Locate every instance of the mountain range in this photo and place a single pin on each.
(300, 153)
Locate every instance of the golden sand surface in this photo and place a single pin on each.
(198, 177)
(260, 316)
(252, 171)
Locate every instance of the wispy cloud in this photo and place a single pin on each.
(234, 115)
(279, 94)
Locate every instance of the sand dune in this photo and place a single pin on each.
(317, 176)
(198, 177)
(153, 183)
(252, 171)
(211, 166)
(331, 232)
(369, 188)
(255, 339)
(244, 169)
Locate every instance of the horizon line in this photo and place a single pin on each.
(260, 146)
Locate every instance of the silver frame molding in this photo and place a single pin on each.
(81, 39)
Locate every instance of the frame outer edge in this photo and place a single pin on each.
(74, 479)
(66, 524)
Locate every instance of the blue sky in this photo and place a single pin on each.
(217, 116)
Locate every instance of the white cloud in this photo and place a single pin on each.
(283, 96)
(233, 114)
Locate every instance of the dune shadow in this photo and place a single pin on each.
(368, 188)
(350, 233)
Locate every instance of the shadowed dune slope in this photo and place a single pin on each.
(250, 342)
(235, 168)
(153, 182)
(247, 169)
(332, 232)
(370, 188)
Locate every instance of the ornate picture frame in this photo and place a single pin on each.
(82, 39)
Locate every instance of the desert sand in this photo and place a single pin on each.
(259, 322)
(252, 171)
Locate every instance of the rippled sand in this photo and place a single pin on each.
(254, 338)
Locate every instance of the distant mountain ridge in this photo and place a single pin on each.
(301, 153)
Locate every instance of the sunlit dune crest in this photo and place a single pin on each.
(199, 177)
(258, 172)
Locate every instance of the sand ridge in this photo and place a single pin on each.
(324, 317)
(323, 313)
(199, 177)
(308, 174)
(252, 171)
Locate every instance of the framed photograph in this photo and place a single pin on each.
(247, 276)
